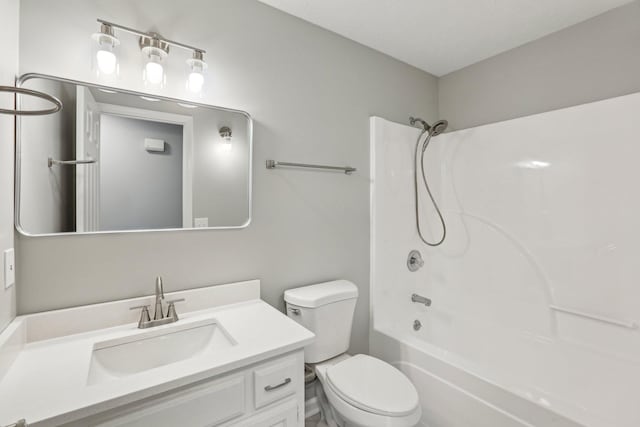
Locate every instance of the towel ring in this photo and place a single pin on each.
(57, 105)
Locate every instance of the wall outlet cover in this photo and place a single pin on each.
(9, 268)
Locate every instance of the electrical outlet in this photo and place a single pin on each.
(201, 222)
(9, 268)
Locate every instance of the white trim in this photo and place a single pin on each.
(187, 147)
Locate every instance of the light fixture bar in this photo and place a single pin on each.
(151, 36)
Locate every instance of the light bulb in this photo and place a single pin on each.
(106, 61)
(196, 80)
(154, 72)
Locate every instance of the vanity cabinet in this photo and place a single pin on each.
(265, 394)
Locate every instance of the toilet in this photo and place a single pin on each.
(360, 390)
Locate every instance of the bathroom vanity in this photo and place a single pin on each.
(231, 360)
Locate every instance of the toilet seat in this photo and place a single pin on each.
(372, 385)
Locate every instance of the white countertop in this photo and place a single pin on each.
(47, 381)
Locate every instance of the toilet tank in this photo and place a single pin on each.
(326, 309)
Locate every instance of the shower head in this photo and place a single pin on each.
(437, 128)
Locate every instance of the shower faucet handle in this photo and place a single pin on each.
(415, 261)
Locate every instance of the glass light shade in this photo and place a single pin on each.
(225, 136)
(105, 60)
(226, 145)
(153, 72)
(197, 67)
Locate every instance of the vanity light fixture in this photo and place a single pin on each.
(106, 61)
(155, 50)
(225, 134)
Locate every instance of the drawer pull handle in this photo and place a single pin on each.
(275, 387)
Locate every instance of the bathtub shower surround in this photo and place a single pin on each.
(535, 303)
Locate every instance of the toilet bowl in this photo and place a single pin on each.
(360, 390)
(364, 391)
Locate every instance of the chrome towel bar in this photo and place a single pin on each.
(51, 162)
(272, 164)
(57, 105)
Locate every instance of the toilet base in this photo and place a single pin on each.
(338, 413)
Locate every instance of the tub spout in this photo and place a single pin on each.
(420, 299)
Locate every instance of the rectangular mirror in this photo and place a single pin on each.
(114, 160)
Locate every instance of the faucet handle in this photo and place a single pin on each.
(171, 311)
(144, 314)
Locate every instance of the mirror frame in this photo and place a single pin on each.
(18, 159)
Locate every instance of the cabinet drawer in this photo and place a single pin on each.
(202, 406)
(275, 381)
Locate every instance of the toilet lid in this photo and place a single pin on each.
(373, 386)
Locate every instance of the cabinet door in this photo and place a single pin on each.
(285, 415)
(201, 406)
(287, 418)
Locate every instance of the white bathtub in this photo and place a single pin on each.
(524, 236)
(502, 390)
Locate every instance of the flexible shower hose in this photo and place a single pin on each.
(426, 184)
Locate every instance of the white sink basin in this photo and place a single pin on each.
(151, 349)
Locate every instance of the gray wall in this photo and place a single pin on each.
(8, 68)
(594, 60)
(311, 93)
(47, 202)
(139, 190)
(220, 181)
(220, 177)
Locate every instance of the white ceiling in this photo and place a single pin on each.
(441, 36)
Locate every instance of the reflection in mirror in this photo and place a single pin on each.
(118, 161)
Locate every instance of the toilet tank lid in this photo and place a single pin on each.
(321, 294)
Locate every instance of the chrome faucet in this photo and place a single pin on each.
(159, 318)
(158, 315)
